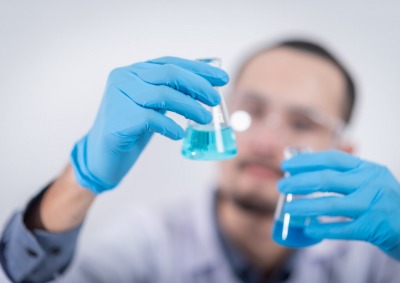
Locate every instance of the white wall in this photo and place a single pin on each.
(55, 57)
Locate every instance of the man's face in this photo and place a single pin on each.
(293, 98)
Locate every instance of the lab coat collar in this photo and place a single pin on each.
(208, 257)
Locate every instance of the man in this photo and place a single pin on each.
(295, 93)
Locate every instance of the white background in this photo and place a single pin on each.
(55, 57)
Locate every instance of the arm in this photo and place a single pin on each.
(64, 195)
(39, 245)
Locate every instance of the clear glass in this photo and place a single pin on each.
(214, 141)
(289, 229)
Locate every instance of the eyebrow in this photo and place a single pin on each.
(254, 97)
(303, 111)
(316, 116)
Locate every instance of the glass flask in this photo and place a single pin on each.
(289, 229)
(213, 141)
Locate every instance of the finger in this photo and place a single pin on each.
(166, 98)
(216, 76)
(333, 159)
(319, 181)
(177, 78)
(339, 230)
(152, 121)
(326, 206)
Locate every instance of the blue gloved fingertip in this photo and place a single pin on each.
(284, 165)
(180, 135)
(281, 185)
(216, 99)
(207, 117)
(225, 77)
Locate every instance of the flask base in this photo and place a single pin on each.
(294, 237)
(209, 144)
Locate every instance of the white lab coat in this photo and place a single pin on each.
(180, 245)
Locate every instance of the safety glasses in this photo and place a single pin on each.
(294, 124)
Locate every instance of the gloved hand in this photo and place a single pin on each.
(371, 198)
(133, 107)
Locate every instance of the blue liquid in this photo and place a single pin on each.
(295, 237)
(206, 143)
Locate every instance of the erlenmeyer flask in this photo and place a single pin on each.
(289, 229)
(214, 141)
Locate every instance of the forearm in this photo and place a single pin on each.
(63, 206)
(38, 244)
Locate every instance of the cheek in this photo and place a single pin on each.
(243, 142)
(227, 166)
(228, 171)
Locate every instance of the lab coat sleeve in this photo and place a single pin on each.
(35, 256)
(131, 248)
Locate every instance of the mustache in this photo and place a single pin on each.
(249, 204)
(266, 162)
(255, 207)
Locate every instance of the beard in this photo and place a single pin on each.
(250, 203)
(254, 205)
(252, 200)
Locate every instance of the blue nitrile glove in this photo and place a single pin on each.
(371, 198)
(133, 107)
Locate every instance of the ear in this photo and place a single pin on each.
(346, 142)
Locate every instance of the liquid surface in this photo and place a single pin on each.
(206, 143)
(295, 237)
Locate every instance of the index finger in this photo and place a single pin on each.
(216, 76)
(324, 160)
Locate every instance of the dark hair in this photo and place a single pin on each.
(318, 50)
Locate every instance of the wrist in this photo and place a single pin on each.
(82, 174)
(65, 204)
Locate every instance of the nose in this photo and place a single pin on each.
(269, 138)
